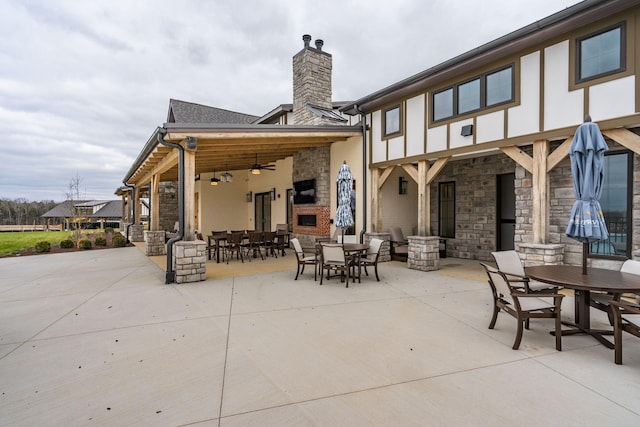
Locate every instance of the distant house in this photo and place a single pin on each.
(91, 213)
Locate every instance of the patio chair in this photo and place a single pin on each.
(522, 306)
(253, 244)
(234, 244)
(334, 258)
(269, 243)
(626, 317)
(399, 244)
(510, 264)
(304, 260)
(371, 258)
(602, 301)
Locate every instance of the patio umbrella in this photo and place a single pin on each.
(344, 218)
(586, 223)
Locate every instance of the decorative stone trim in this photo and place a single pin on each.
(540, 254)
(385, 249)
(424, 253)
(155, 244)
(189, 261)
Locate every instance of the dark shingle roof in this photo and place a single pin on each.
(188, 112)
(113, 209)
(63, 210)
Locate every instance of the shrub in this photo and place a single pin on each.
(84, 244)
(66, 244)
(118, 241)
(108, 230)
(43, 246)
(101, 241)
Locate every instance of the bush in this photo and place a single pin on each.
(43, 246)
(108, 230)
(84, 244)
(101, 241)
(118, 241)
(66, 244)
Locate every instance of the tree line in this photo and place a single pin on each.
(24, 212)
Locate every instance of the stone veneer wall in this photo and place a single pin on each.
(313, 163)
(155, 243)
(189, 261)
(168, 196)
(424, 253)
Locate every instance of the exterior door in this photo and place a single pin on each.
(506, 209)
(263, 211)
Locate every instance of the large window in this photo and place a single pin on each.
(392, 121)
(602, 53)
(616, 203)
(447, 209)
(485, 91)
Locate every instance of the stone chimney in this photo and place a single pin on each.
(311, 83)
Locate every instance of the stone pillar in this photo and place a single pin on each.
(541, 254)
(155, 243)
(424, 253)
(189, 261)
(385, 249)
(136, 233)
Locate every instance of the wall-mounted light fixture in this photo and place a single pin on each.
(402, 185)
(249, 197)
(466, 130)
(192, 143)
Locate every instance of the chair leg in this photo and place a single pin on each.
(558, 332)
(347, 278)
(376, 268)
(617, 343)
(516, 343)
(496, 310)
(321, 275)
(298, 271)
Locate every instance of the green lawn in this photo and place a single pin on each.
(18, 240)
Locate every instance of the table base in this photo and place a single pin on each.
(595, 333)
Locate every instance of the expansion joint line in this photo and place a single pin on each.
(226, 351)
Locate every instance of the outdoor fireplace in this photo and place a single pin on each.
(307, 220)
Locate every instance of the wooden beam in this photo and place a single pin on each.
(189, 195)
(424, 199)
(624, 137)
(559, 154)
(519, 156)
(435, 169)
(385, 175)
(375, 199)
(154, 198)
(411, 170)
(540, 193)
(169, 161)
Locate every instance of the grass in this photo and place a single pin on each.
(11, 242)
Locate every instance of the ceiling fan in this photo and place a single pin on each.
(257, 167)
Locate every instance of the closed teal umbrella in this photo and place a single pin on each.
(586, 223)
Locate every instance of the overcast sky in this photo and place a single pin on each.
(83, 84)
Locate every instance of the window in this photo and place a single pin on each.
(392, 120)
(616, 203)
(447, 209)
(485, 91)
(601, 54)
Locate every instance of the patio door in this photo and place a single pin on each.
(263, 211)
(506, 208)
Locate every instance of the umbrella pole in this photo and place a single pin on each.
(585, 250)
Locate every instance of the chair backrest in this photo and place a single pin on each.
(296, 246)
(509, 262)
(235, 238)
(332, 253)
(374, 246)
(255, 236)
(269, 236)
(631, 266)
(397, 235)
(498, 281)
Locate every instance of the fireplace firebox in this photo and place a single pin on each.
(307, 220)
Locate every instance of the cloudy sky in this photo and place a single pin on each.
(83, 84)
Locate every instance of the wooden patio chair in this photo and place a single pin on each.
(626, 317)
(234, 244)
(371, 257)
(304, 260)
(334, 259)
(523, 306)
(510, 264)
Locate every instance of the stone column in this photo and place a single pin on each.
(385, 249)
(424, 253)
(136, 233)
(189, 261)
(155, 244)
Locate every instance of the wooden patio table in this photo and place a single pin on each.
(596, 279)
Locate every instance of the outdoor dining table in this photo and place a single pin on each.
(217, 239)
(596, 279)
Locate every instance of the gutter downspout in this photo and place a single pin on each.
(171, 274)
(133, 207)
(363, 120)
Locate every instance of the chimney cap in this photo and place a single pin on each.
(319, 44)
(306, 39)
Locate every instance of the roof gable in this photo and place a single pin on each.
(189, 112)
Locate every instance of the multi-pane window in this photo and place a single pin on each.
(485, 91)
(601, 54)
(392, 120)
(616, 206)
(447, 209)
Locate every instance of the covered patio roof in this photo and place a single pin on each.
(229, 147)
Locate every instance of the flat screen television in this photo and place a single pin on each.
(304, 192)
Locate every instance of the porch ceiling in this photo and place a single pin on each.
(232, 148)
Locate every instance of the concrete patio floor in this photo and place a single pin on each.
(96, 338)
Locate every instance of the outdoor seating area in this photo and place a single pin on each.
(245, 244)
(96, 338)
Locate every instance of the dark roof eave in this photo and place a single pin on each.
(204, 127)
(151, 144)
(574, 16)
